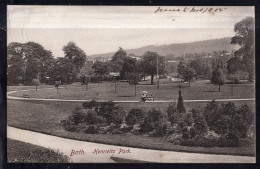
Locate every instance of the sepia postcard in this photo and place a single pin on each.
(131, 84)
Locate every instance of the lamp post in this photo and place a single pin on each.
(232, 85)
(157, 77)
(115, 84)
(179, 84)
(115, 76)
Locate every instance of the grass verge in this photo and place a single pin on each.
(21, 152)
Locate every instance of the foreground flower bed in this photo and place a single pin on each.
(45, 117)
(211, 126)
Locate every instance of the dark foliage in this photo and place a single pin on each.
(200, 125)
(135, 116)
(180, 105)
(152, 120)
(172, 113)
(226, 119)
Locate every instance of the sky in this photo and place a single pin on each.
(102, 29)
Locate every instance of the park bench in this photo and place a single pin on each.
(150, 98)
(26, 96)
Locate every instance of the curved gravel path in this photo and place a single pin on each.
(116, 101)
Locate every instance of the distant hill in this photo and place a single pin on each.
(175, 50)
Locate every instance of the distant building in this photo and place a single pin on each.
(98, 59)
(114, 74)
(135, 57)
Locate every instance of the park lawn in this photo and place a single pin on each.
(45, 117)
(106, 91)
(21, 152)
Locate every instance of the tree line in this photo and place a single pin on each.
(28, 61)
(130, 68)
(218, 69)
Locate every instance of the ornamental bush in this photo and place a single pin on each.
(226, 119)
(200, 125)
(135, 116)
(172, 113)
(152, 120)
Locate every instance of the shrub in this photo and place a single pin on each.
(117, 116)
(172, 113)
(105, 108)
(229, 140)
(76, 121)
(152, 120)
(227, 118)
(200, 125)
(180, 105)
(90, 105)
(248, 118)
(69, 125)
(135, 116)
(161, 130)
(211, 113)
(91, 129)
(92, 118)
(146, 126)
(78, 116)
(109, 111)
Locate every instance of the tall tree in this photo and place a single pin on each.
(186, 71)
(133, 79)
(86, 69)
(233, 65)
(201, 67)
(218, 77)
(188, 74)
(37, 61)
(129, 66)
(64, 70)
(245, 38)
(150, 64)
(181, 68)
(76, 55)
(118, 60)
(15, 63)
(34, 60)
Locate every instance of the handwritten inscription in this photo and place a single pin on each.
(210, 10)
(74, 152)
(111, 151)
